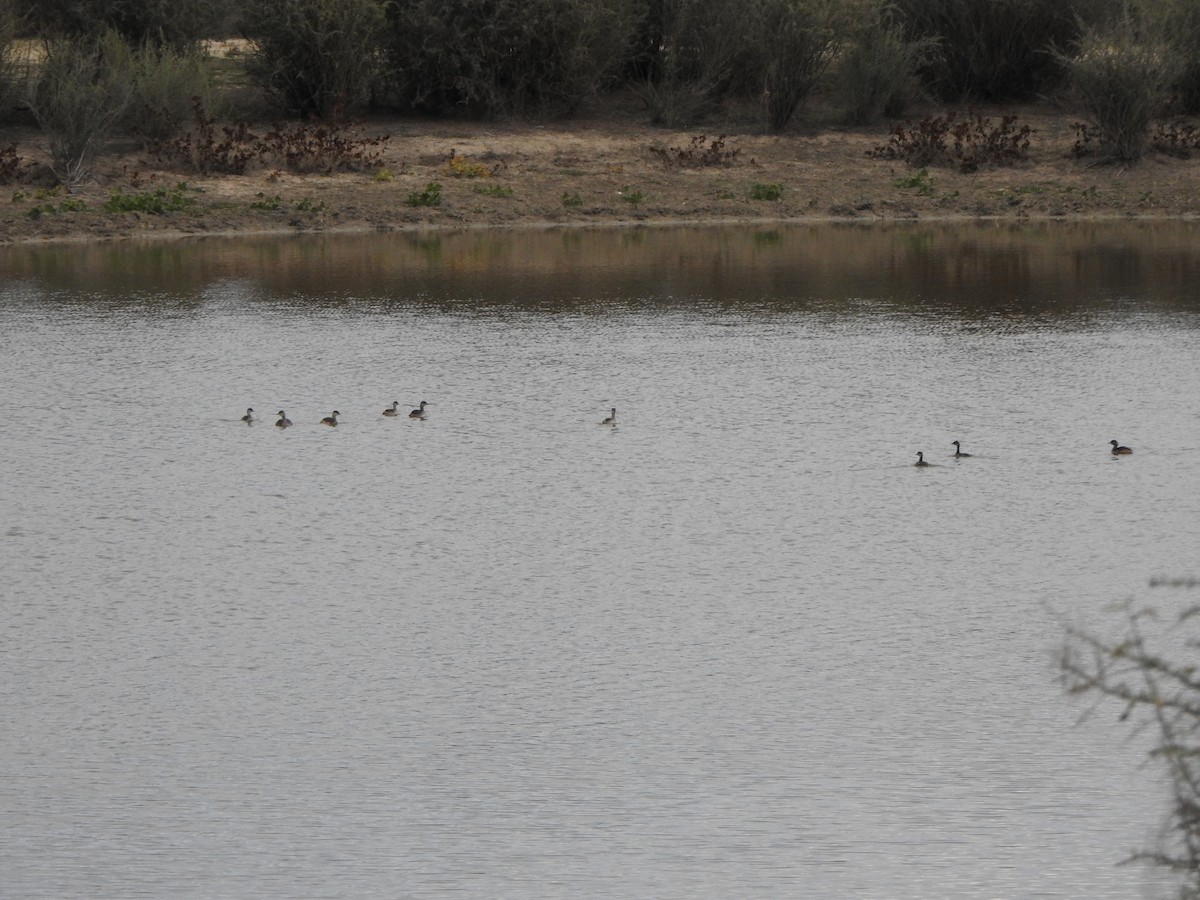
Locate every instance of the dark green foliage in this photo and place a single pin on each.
(968, 143)
(795, 41)
(993, 50)
(504, 57)
(175, 23)
(430, 196)
(688, 56)
(317, 57)
(1180, 24)
(766, 191)
(154, 202)
(877, 74)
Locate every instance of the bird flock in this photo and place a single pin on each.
(611, 420)
(392, 411)
(1117, 450)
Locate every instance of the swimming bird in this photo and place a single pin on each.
(958, 450)
(331, 420)
(394, 411)
(611, 420)
(419, 412)
(920, 459)
(1118, 450)
(284, 421)
(249, 416)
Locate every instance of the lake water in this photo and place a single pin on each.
(736, 647)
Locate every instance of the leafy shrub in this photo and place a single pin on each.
(1181, 25)
(206, 150)
(82, 92)
(318, 57)
(795, 43)
(10, 163)
(918, 181)
(504, 57)
(691, 54)
(570, 199)
(154, 202)
(993, 50)
(877, 74)
(167, 84)
(969, 143)
(464, 167)
(633, 198)
(766, 191)
(264, 202)
(430, 196)
(1122, 82)
(1178, 139)
(696, 155)
(323, 148)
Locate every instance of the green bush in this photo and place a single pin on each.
(690, 55)
(154, 202)
(318, 57)
(994, 50)
(168, 83)
(505, 57)
(430, 196)
(1122, 81)
(877, 75)
(1180, 23)
(796, 40)
(766, 191)
(80, 96)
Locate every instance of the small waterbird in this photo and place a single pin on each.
(331, 420)
(920, 459)
(611, 420)
(419, 412)
(249, 416)
(958, 450)
(284, 421)
(1118, 450)
(394, 411)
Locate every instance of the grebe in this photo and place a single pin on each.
(419, 412)
(958, 450)
(611, 420)
(920, 459)
(394, 410)
(284, 421)
(249, 416)
(1118, 450)
(331, 420)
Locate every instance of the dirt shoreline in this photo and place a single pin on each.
(601, 173)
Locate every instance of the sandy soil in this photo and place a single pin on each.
(600, 172)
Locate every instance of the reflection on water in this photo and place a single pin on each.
(970, 270)
(737, 646)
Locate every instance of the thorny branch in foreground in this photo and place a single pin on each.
(1160, 694)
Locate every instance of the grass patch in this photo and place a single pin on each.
(493, 190)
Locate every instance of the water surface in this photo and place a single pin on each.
(737, 646)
